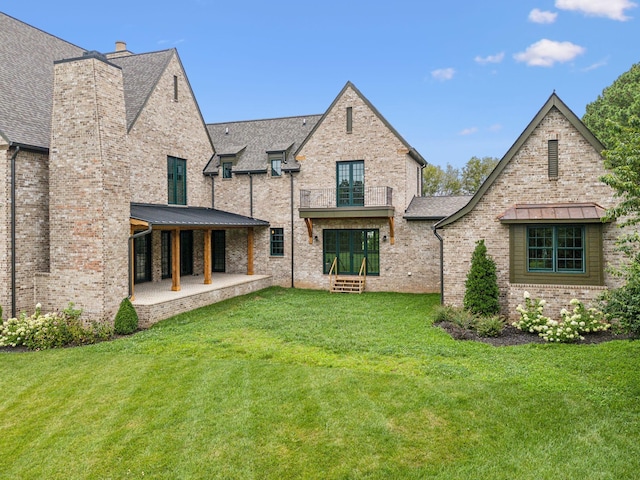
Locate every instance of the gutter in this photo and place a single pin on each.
(13, 232)
(131, 238)
(435, 232)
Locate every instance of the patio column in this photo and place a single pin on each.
(175, 260)
(250, 251)
(207, 257)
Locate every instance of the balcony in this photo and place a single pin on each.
(347, 202)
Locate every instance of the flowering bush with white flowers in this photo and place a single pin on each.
(531, 318)
(50, 330)
(569, 329)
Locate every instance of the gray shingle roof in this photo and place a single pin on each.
(26, 78)
(259, 137)
(27, 56)
(141, 74)
(435, 208)
(179, 216)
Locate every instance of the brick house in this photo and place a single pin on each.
(334, 186)
(540, 214)
(94, 151)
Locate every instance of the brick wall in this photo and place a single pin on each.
(525, 180)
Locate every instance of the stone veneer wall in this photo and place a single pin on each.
(525, 180)
(89, 189)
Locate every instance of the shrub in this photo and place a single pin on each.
(569, 329)
(126, 320)
(622, 305)
(50, 330)
(489, 326)
(444, 313)
(481, 287)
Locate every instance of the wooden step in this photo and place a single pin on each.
(348, 285)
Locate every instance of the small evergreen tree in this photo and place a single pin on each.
(481, 287)
(126, 320)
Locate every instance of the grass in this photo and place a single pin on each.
(306, 384)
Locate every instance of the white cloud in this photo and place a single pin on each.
(613, 9)
(546, 53)
(497, 58)
(496, 127)
(538, 16)
(596, 65)
(468, 131)
(443, 74)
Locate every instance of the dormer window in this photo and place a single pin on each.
(226, 169)
(275, 160)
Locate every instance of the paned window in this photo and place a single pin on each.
(277, 242)
(177, 181)
(226, 169)
(350, 247)
(558, 249)
(276, 164)
(350, 183)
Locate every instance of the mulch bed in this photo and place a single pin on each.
(513, 336)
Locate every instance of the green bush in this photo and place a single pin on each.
(489, 326)
(481, 287)
(622, 305)
(50, 330)
(126, 320)
(444, 313)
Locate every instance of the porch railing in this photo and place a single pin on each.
(328, 198)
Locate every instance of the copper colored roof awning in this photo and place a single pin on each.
(554, 213)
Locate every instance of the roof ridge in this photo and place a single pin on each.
(265, 119)
(42, 31)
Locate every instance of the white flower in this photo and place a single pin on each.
(526, 294)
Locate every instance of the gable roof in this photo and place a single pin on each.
(27, 55)
(250, 141)
(141, 74)
(412, 151)
(553, 102)
(435, 208)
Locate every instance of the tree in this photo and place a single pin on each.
(452, 181)
(126, 320)
(481, 288)
(475, 172)
(615, 108)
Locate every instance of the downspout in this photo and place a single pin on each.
(213, 191)
(13, 232)
(131, 238)
(435, 232)
(292, 238)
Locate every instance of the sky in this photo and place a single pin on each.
(456, 78)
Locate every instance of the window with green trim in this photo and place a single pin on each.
(177, 181)
(556, 249)
(350, 183)
(226, 169)
(350, 247)
(276, 164)
(277, 242)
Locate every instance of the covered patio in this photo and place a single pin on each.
(160, 297)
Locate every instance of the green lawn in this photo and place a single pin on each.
(306, 384)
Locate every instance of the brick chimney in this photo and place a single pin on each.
(121, 50)
(120, 46)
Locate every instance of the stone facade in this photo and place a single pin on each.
(525, 180)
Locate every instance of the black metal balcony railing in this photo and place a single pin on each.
(334, 198)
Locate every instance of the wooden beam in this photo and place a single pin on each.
(175, 260)
(392, 233)
(132, 266)
(207, 257)
(309, 223)
(249, 250)
(134, 222)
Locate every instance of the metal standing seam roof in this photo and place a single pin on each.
(183, 216)
(251, 141)
(565, 212)
(435, 207)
